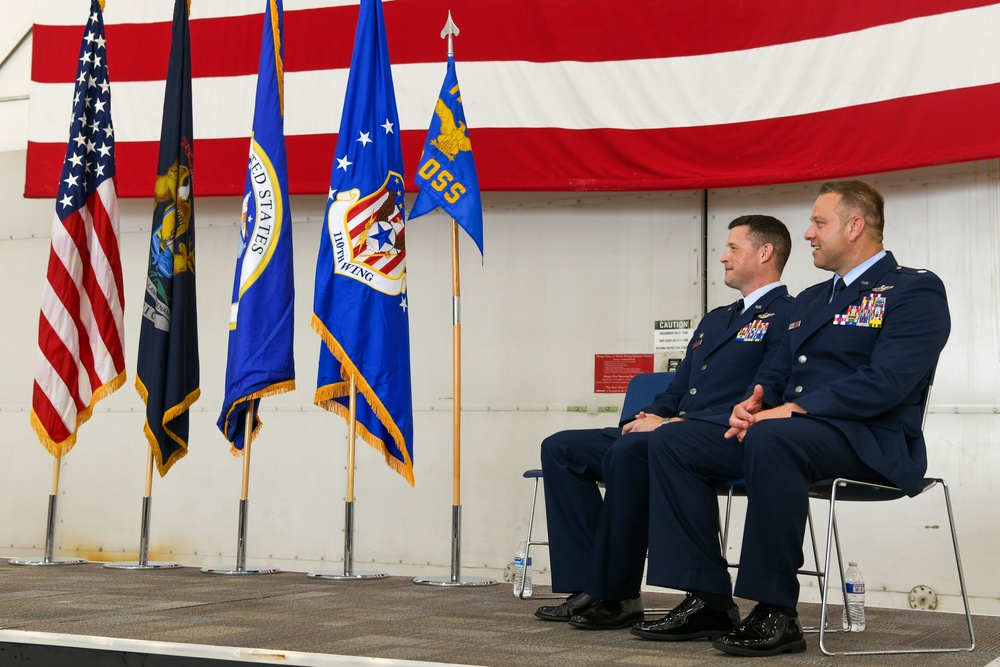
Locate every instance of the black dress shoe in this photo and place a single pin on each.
(574, 604)
(609, 615)
(691, 619)
(766, 631)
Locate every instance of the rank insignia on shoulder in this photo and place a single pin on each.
(794, 325)
(882, 288)
(764, 316)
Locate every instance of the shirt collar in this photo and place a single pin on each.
(753, 296)
(853, 274)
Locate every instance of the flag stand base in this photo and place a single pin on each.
(136, 565)
(48, 561)
(447, 580)
(236, 570)
(144, 563)
(455, 579)
(50, 533)
(345, 576)
(348, 573)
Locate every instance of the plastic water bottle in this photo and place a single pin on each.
(522, 572)
(855, 598)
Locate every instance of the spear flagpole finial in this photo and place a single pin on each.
(450, 30)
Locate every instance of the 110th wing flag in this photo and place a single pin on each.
(261, 324)
(360, 307)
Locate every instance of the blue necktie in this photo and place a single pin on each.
(737, 311)
(838, 287)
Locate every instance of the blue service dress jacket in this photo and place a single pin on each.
(864, 363)
(723, 357)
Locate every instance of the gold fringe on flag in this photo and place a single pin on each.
(61, 449)
(325, 399)
(272, 390)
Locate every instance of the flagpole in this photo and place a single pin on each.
(456, 417)
(352, 436)
(241, 540)
(147, 502)
(455, 579)
(50, 530)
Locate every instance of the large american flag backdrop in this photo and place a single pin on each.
(563, 94)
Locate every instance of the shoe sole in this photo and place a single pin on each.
(618, 626)
(552, 618)
(707, 634)
(792, 647)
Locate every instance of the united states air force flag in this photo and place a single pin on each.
(167, 373)
(447, 172)
(261, 319)
(360, 307)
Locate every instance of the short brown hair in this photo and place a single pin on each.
(767, 229)
(859, 198)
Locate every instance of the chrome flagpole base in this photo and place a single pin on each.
(48, 561)
(344, 576)
(448, 580)
(237, 570)
(455, 579)
(137, 565)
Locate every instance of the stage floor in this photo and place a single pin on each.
(45, 610)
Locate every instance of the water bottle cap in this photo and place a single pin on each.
(851, 563)
(529, 561)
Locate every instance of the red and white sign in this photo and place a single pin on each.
(612, 372)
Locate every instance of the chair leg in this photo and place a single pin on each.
(724, 532)
(531, 523)
(832, 537)
(832, 532)
(958, 564)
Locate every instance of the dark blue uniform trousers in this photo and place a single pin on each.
(780, 459)
(597, 545)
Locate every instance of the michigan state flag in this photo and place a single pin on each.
(447, 172)
(261, 319)
(167, 370)
(360, 307)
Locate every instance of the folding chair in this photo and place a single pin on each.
(847, 490)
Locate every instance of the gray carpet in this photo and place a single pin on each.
(394, 618)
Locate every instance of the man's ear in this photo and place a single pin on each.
(765, 252)
(856, 227)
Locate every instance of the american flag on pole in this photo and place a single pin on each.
(81, 338)
(569, 95)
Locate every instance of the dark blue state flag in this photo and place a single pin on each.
(447, 172)
(261, 320)
(167, 369)
(360, 307)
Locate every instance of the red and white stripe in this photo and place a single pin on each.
(81, 336)
(563, 95)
